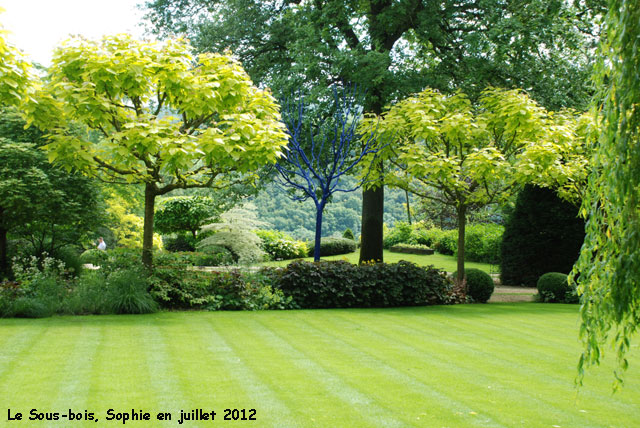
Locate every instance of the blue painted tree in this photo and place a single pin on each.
(325, 144)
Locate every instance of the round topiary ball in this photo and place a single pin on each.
(480, 285)
(553, 287)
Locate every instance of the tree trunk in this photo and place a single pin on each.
(147, 239)
(462, 221)
(372, 222)
(406, 195)
(3, 253)
(316, 248)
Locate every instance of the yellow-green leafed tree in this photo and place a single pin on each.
(473, 155)
(127, 227)
(164, 118)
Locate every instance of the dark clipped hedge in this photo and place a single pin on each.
(333, 246)
(543, 234)
(339, 284)
(480, 285)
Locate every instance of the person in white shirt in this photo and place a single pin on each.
(101, 244)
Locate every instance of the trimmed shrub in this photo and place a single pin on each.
(339, 284)
(333, 247)
(543, 234)
(411, 249)
(280, 246)
(480, 285)
(348, 234)
(554, 287)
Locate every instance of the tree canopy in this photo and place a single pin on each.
(396, 48)
(472, 155)
(159, 117)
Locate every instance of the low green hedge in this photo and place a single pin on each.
(333, 247)
(411, 249)
(339, 284)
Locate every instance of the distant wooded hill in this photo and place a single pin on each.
(344, 211)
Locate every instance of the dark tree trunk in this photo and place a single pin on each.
(316, 248)
(147, 239)
(372, 222)
(462, 221)
(371, 233)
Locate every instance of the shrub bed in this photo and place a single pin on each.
(482, 241)
(179, 288)
(339, 284)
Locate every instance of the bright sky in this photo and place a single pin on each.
(38, 26)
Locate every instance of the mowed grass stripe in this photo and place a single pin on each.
(429, 366)
(37, 369)
(279, 361)
(163, 372)
(513, 377)
(430, 371)
(396, 387)
(120, 380)
(466, 333)
(217, 377)
(16, 342)
(75, 383)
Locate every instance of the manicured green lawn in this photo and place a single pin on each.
(495, 365)
(447, 263)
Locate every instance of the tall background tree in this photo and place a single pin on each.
(608, 270)
(396, 48)
(165, 119)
